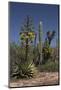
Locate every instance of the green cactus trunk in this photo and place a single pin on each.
(40, 43)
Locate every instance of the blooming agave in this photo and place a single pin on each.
(28, 35)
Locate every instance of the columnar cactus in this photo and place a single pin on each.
(40, 42)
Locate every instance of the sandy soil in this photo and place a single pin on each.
(43, 78)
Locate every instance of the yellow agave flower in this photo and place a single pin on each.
(27, 37)
(30, 33)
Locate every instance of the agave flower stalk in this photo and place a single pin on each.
(27, 37)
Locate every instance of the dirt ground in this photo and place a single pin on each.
(43, 78)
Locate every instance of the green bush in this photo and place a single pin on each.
(50, 66)
(46, 52)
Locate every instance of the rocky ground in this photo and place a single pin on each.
(43, 78)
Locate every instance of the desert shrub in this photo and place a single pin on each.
(46, 52)
(50, 66)
(13, 58)
(35, 56)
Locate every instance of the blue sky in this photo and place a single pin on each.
(48, 14)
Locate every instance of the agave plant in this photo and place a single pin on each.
(26, 67)
(24, 70)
